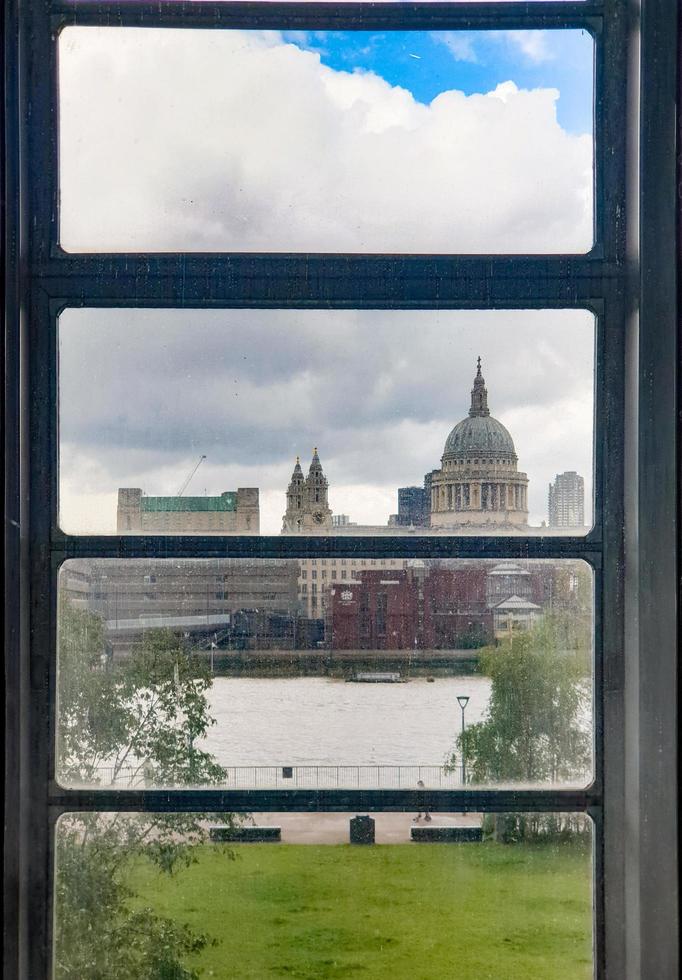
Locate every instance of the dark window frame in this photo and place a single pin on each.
(627, 280)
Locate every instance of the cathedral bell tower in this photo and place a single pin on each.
(307, 500)
(296, 494)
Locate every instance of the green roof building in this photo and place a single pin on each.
(232, 512)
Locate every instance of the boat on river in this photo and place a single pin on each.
(377, 677)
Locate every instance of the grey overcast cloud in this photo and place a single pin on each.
(144, 392)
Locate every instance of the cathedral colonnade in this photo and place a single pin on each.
(475, 495)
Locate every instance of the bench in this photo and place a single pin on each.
(447, 835)
(245, 835)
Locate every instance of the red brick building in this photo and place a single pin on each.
(455, 609)
(437, 607)
(377, 611)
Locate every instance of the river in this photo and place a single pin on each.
(301, 721)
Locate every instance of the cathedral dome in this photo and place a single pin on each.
(479, 435)
(479, 483)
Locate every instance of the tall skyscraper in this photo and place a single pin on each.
(412, 506)
(567, 500)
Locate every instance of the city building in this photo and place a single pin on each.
(377, 612)
(341, 520)
(415, 605)
(567, 500)
(317, 576)
(514, 614)
(508, 579)
(456, 613)
(307, 500)
(413, 508)
(479, 483)
(201, 599)
(232, 512)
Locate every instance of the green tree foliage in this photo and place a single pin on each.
(139, 717)
(534, 729)
(101, 931)
(572, 603)
(557, 828)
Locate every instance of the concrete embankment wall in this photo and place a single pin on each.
(340, 663)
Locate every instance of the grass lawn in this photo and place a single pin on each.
(415, 911)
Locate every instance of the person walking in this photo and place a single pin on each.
(427, 815)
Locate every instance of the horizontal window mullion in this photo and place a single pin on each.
(304, 546)
(96, 269)
(331, 800)
(214, 14)
(336, 281)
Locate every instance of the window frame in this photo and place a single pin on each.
(628, 280)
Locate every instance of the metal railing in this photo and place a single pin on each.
(307, 777)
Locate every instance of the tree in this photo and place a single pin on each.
(140, 716)
(535, 726)
(572, 607)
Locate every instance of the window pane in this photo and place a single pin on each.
(513, 899)
(403, 142)
(229, 672)
(395, 427)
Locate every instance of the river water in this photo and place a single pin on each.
(299, 721)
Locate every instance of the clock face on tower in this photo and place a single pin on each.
(318, 517)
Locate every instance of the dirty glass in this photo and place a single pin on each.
(319, 422)
(350, 673)
(334, 141)
(283, 894)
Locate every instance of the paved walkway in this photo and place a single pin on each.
(333, 828)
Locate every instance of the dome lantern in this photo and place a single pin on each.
(479, 394)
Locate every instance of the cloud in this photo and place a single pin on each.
(534, 45)
(214, 140)
(517, 48)
(459, 44)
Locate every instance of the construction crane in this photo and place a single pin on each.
(191, 474)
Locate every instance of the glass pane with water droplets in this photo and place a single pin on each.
(326, 422)
(324, 673)
(333, 141)
(282, 894)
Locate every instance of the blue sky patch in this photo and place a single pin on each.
(428, 63)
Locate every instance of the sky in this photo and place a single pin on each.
(263, 141)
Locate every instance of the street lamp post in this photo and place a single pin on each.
(463, 700)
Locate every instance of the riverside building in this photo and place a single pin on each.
(232, 512)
